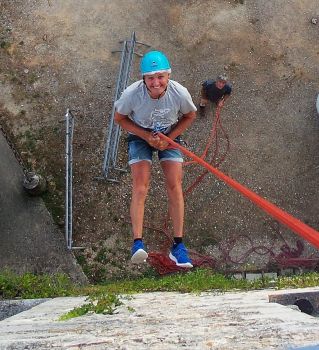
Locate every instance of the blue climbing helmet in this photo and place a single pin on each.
(154, 62)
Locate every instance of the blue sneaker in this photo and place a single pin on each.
(179, 255)
(139, 254)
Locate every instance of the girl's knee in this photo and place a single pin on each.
(174, 187)
(140, 189)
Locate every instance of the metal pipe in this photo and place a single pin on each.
(70, 241)
(67, 176)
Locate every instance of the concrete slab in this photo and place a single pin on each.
(237, 320)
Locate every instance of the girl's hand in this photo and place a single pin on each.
(155, 141)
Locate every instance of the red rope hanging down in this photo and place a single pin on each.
(297, 226)
(213, 138)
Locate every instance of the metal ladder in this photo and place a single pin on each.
(114, 130)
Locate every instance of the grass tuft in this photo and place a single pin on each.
(105, 304)
(30, 286)
(195, 281)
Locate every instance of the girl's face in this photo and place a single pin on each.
(156, 83)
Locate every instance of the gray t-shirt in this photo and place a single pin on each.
(160, 114)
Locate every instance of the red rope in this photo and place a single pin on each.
(212, 137)
(297, 226)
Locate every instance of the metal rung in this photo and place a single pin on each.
(112, 180)
(123, 170)
(139, 42)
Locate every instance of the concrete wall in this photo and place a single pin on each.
(29, 240)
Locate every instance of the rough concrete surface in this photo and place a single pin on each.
(30, 242)
(58, 54)
(243, 321)
(9, 308)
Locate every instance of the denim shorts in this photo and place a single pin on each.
(139, 149)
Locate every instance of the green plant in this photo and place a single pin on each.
(105, 304)
(130, 309)
(194, 281)
(310, 279)
(8, 285)
(200, 280)
(5, 45)
(30, 286)
(76, 312)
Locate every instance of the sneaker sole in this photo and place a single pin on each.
(139, 257)
(172, 257)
